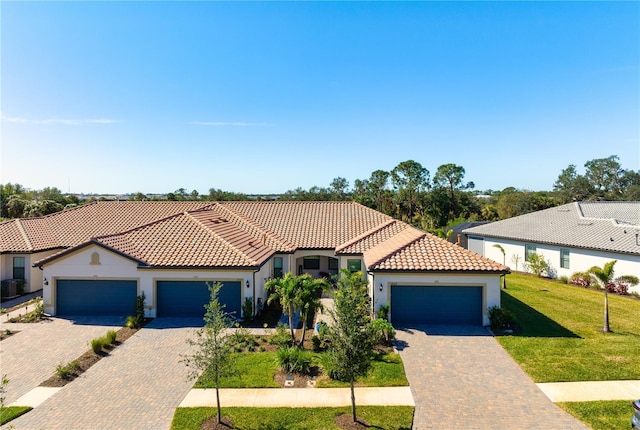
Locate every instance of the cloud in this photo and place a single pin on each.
(54, 121)
(232, 124)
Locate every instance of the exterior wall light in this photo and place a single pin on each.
(380, 286)
(248, 284)
(46, 282)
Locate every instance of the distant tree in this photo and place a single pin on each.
(450, 176)
(52, 194)
(211, 360)
(138, 197)
(351, 334)
(605, 175)
(572, 187)
(339, 189)
(409, 179)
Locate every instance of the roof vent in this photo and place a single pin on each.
(584, 223)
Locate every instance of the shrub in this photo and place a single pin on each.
(132, 322)
(327, 361)
(111, 337)
(383, 312)
(247, 309)
(64, 371)
(500, 318)
(98, 344)
(317, 342)
(537, 264)
(294, 360)
(383, 331)
(281, 336)
(563, 279)
(582, 279)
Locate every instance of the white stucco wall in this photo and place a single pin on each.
(33, 275)
(490, 286)
(580, 260)
(113, 266)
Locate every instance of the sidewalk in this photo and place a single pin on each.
(590, 391)
(299, 397)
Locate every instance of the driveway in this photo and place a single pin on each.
(138, 386)
(31, 356)
(462, 378)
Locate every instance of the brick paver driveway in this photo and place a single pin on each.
(138, 386)
(462, 378)
(31, 356)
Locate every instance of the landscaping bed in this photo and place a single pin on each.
(80, 365)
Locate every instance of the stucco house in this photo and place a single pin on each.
(571, 238)
(96, 258)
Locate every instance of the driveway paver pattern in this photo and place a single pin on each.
(30, 357)
(462, 378)
(138, 386)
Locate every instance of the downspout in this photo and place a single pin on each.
(255, 306)
(373, 294)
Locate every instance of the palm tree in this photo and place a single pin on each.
(285, 290)
(308, 299)
(604, 276)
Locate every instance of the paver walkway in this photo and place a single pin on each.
(462, 378)
(31, 356)
(138, 386)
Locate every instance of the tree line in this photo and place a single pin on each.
(408, 192)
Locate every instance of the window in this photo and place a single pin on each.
(311, 263)
(564, 258)
(18, 267)
(333, 263)
(354, 265)
(277, 267)
(529, 250)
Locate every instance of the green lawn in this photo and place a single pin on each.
(561, 338)
(9, 413)
(386, 371)
(378, 417)
(610, 415)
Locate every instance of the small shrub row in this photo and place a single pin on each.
(65, 371)
(281, 336)
(99, 343)
(383, 331)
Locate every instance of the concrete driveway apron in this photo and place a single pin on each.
(30, 356)
(462, 378)
(138, 386)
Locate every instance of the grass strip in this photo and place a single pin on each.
(378, 417)
(9, 413)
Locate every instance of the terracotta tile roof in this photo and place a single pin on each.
(311, 225)
(432, 254)
(238, 234)
(196, 239)
(371, 238)
(77, 225)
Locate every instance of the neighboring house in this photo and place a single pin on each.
(96, 258)
(571, 238)
(459, 238)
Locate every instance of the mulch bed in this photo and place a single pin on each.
(7, 333)
(211, 423)
(345, 421)
(89, 358)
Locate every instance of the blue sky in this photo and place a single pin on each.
(118, 97)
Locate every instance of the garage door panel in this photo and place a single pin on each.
(188, 298)
(436, 305)
(96, 297)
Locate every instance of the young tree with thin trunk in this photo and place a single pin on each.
(604, 276)
(211, 359)
(351, 334)
(285, 290)
(308, 298)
